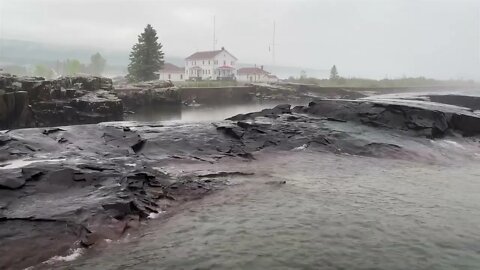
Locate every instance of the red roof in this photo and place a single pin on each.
(168, 67)
(251, 70)
(207, 55)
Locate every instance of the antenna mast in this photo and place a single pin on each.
(214, 41)
(273, 44)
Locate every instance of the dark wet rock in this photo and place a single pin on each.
(51, 130)
(62, 140)
(471, 102)
(424, 121)
(35, 102)
(4, 139)
(467, 124)
(148, 94)
(108, 178)
(126, 139)
(137, 147)
(120, 210)
(232, 132)
(225, 174)
(302, 92)
(32, 174)
(272, 113)
(11, 182)
(276, 183)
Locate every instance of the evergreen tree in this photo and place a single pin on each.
(146, 57)
(97, 64)
(303, 75)
(334, 73)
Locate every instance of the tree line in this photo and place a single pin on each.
(146, 58)
(71, 67)
(335, 80)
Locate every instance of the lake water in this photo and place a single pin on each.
(196, 114)
(334, 212)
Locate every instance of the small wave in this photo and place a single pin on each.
(454, 144)
(19, 163)
(153, 215)
(75, 253)
(302, 147)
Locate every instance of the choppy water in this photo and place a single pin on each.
(335, 212)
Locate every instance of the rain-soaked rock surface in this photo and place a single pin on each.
(148, 94)
(73, 186)
(36, 102)
(300, 92)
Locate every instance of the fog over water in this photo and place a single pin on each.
(368, 38)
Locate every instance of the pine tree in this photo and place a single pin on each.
(97, 64)
(146, 57)
(334, 73)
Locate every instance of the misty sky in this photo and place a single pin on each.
(363, 38)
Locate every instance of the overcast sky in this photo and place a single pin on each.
(370, 38)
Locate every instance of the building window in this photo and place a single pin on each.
(195, 63)
(224, 62)
(209, 62)
(181, 76)
(203, 62)
(169, 76)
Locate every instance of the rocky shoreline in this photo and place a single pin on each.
(76, 186)
(36, 102)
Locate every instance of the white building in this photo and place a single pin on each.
(170, 72)
(211, 65)
(255, 74)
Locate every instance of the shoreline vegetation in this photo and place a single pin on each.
(359, 84)
(385, 83)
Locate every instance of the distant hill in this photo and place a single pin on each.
(27, 52)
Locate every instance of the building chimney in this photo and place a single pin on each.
(261, 67)
(223, 48)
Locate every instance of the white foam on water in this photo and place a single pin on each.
(302, 147)
(67, 258)
(454, 143)
(153, 215)
(19, 163)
